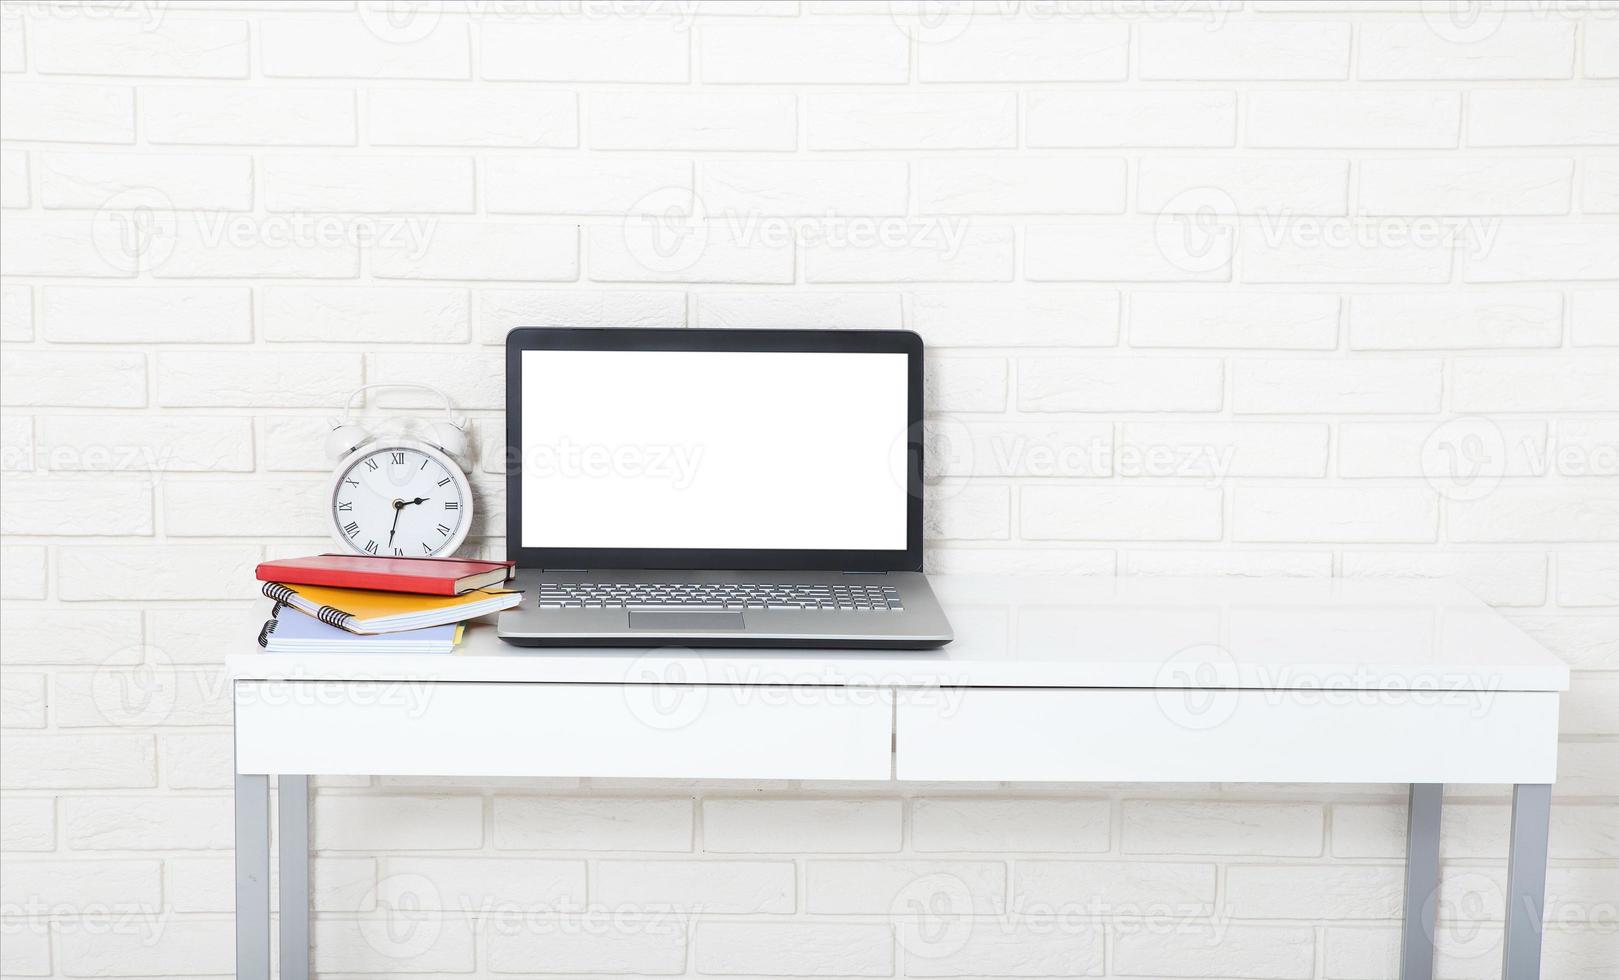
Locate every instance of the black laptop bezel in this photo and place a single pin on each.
(680, 339)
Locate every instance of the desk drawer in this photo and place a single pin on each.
(479, 729)
(1134, 735)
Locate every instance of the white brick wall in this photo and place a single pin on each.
(1213, 287)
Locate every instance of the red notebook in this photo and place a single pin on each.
(426, 576)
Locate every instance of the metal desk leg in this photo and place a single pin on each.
(293, 824)
(1421, 881)
(1526, 881)
(252, 877)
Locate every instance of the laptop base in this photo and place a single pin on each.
(919, 623)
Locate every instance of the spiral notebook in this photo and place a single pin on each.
(364, 611)
(290, 631)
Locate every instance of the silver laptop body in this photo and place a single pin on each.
(717, 488)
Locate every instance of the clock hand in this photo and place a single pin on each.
(399, 506)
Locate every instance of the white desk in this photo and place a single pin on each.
(1050, 679)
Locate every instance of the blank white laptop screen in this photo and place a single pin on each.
(713, 449)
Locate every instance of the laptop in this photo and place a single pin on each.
(758, 488)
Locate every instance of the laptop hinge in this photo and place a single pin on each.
(865, 573)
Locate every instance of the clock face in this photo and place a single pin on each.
(399, 500)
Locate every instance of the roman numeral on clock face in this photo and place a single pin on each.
(390, 501)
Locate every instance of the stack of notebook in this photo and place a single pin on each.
(360, 603)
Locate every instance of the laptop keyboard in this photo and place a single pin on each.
(664, 596)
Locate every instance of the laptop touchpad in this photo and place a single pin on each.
(670, 621)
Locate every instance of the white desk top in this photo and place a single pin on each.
(1052, 631)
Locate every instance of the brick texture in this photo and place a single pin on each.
(1212, 288)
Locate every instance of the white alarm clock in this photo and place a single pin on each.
(399, 496)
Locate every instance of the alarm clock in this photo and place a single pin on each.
(396, 495)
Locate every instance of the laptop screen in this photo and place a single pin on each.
(713, 449)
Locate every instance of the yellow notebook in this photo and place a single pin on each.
(366, 611)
